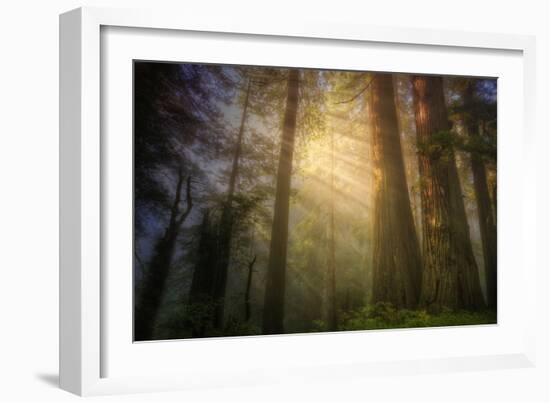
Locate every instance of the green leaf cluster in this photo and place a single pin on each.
(437, 146)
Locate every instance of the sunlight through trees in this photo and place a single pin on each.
(282, 200)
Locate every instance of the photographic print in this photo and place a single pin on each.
(273, 200)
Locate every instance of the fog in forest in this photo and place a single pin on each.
(280, 200)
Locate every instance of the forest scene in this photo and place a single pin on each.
(271, 200)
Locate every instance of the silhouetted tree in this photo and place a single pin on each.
(487, 226)
(148, 302)
(273, 314)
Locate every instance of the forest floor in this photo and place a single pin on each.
(370, 317)
(385, 316)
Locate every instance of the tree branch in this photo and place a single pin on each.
(251, 264)
(177, 199)
(356, 95)
(189, 200)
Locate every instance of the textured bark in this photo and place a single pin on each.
(148, 303)
(273, 315)
(487, 225)
(226, 224)
(450, 277)
(397, 265)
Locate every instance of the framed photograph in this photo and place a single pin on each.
(247, 202)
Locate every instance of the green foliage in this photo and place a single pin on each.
(437, 146)
(385, 316)
(236, 327)
(311, 112)
(189, 320)
(245, 205)
(484, 146)
(196, 320)
(319, 326)
(197, 317)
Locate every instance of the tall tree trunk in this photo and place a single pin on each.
(332, 308)
(397, 265)
(226, 224)
(203, 274)
(487, 225)
(247, 310)
(450, 278)
(202, 284)
(148, 303)
(273, 314)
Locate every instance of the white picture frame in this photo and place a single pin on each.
(83, 308)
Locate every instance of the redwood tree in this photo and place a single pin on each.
(450, 277)
(397, 266)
